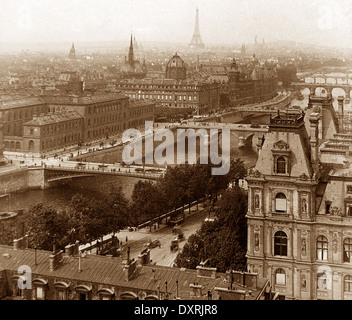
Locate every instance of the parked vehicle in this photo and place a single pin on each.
(174, 245)
(153, 244)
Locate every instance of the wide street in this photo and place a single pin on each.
(162, 256)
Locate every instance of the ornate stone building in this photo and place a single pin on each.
(300, 206)
(251, 83)
(133, 68)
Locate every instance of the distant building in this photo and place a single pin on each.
(249, 83)
(132, 68)
(47, 123)
(200, 97)
(176, 68)
(243, 49)
(72, 54)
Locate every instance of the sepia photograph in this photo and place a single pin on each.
(189, 151)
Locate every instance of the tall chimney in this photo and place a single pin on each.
(314, 139)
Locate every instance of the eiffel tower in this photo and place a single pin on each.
(196, 42)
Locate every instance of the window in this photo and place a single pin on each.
(40, 293)
(280, 203)
(322, 248)
(327, 207)
(322, 280)
(349, 209)
(347, 250)
(280, 277)
(280, 244)
(31, 145)
(281, 165)
(82, 296)
(348, 283)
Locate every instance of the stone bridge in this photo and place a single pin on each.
(328, 87)
(242, 135)
(59, 173)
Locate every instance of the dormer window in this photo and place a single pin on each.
(281, 155)
(281, 165)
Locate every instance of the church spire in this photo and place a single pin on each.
(130, 52)
(72, 54)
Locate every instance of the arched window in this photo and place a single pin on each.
(347, 250)
(348, 283)
(31, 145)
(281, 165)
(322, 248)
(280, 203)
(280, 277)
(280, 244)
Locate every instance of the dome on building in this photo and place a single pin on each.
(176, 68)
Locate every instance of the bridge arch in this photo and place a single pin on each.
(338, 92)
(305, 91)
(320, 91)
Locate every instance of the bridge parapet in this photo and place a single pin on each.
(327, 86)
(55, 173)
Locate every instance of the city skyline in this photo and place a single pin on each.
(324, 22)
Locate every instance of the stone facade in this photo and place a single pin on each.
(202, 97)
(299, 216)
(52, 122)
(250, 84)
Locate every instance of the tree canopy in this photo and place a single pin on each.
(222, 241)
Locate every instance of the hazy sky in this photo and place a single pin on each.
(221, 21)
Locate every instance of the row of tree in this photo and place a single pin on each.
(180, 186)
(87, 219)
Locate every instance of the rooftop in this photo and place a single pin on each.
(17, 103)
(50, 118)
(110, 271)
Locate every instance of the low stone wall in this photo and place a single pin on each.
(21, 179)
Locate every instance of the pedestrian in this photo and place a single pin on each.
(126, 239)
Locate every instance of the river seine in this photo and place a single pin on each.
(60, 195)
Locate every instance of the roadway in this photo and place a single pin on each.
(137, 240)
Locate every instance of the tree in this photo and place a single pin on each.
(237, 171)
(145, 204)
(223, 241)
(116, 208)
(46, 226)
(87, 218)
